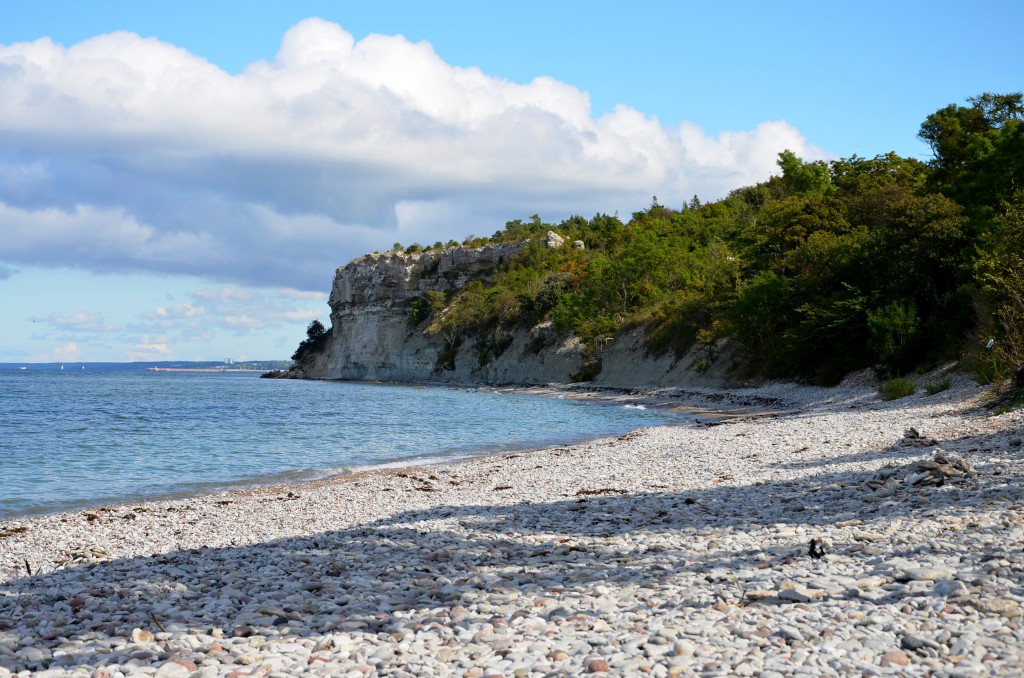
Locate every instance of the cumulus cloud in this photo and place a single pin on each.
(82, 321)
(127, 153)
(67, 353)
(151, 349)
(176, 312)
(286, 293)
(233, 309)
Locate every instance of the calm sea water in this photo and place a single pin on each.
(76, 438)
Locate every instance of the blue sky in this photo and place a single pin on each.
(179, 180)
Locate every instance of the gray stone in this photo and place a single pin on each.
(32, 654)
(912, 642)
(172, 670)
(794, 596)
(553, 240)
(925, 574)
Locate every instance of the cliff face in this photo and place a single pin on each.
(374, 338)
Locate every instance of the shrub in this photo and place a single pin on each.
(938, 386)
(446, 357)
(1000, 269)
(315, 341)
(897, 387)
(892, 329)
(538, 344)
(429, 305)
(552, 289)
(588, 371)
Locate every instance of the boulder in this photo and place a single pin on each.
(554, 240)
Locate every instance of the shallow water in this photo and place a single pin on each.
(76, 438)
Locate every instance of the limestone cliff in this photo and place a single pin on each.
(374, 337)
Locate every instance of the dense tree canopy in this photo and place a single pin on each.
(882, 262)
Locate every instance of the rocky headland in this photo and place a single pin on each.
(375, 335)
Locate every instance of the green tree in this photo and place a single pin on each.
(916, 244)
(978, 150)
(1001, 272)
(315, 341)
(828, 338)
(856, 176)
(892, 330)
(804, 178)
(759, 315)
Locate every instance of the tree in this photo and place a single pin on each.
(892, 329)
(916, 244)
(1001, 272)
(759, 315)
(804, 178)
(857, 176)
(978, 150)
(315, 330)
(315, 341)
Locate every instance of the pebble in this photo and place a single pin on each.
(668, 551)
(926, 574)
(894, 658)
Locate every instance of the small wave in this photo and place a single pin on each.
(427, 460)
(635, 407)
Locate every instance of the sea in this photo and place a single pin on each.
(76, 436)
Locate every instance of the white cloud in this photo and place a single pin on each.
(175, 312)
(81, 321)
(67, 353)
(151, 349)
(233, 309)
(125, 153)
(302, 294)
(224, 294)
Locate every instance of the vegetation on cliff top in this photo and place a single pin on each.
(884, 262)
(314, 343)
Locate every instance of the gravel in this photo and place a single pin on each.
(666, 551)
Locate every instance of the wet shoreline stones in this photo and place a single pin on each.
(672, 551)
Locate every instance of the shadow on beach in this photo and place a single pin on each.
(427, 564)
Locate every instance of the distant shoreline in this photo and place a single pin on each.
(199, 369)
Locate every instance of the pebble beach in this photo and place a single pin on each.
(828, 533)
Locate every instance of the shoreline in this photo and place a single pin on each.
(688, 416)
(669, 400)
(789, 399)
(666, 549)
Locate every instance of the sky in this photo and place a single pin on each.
(180, 180)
